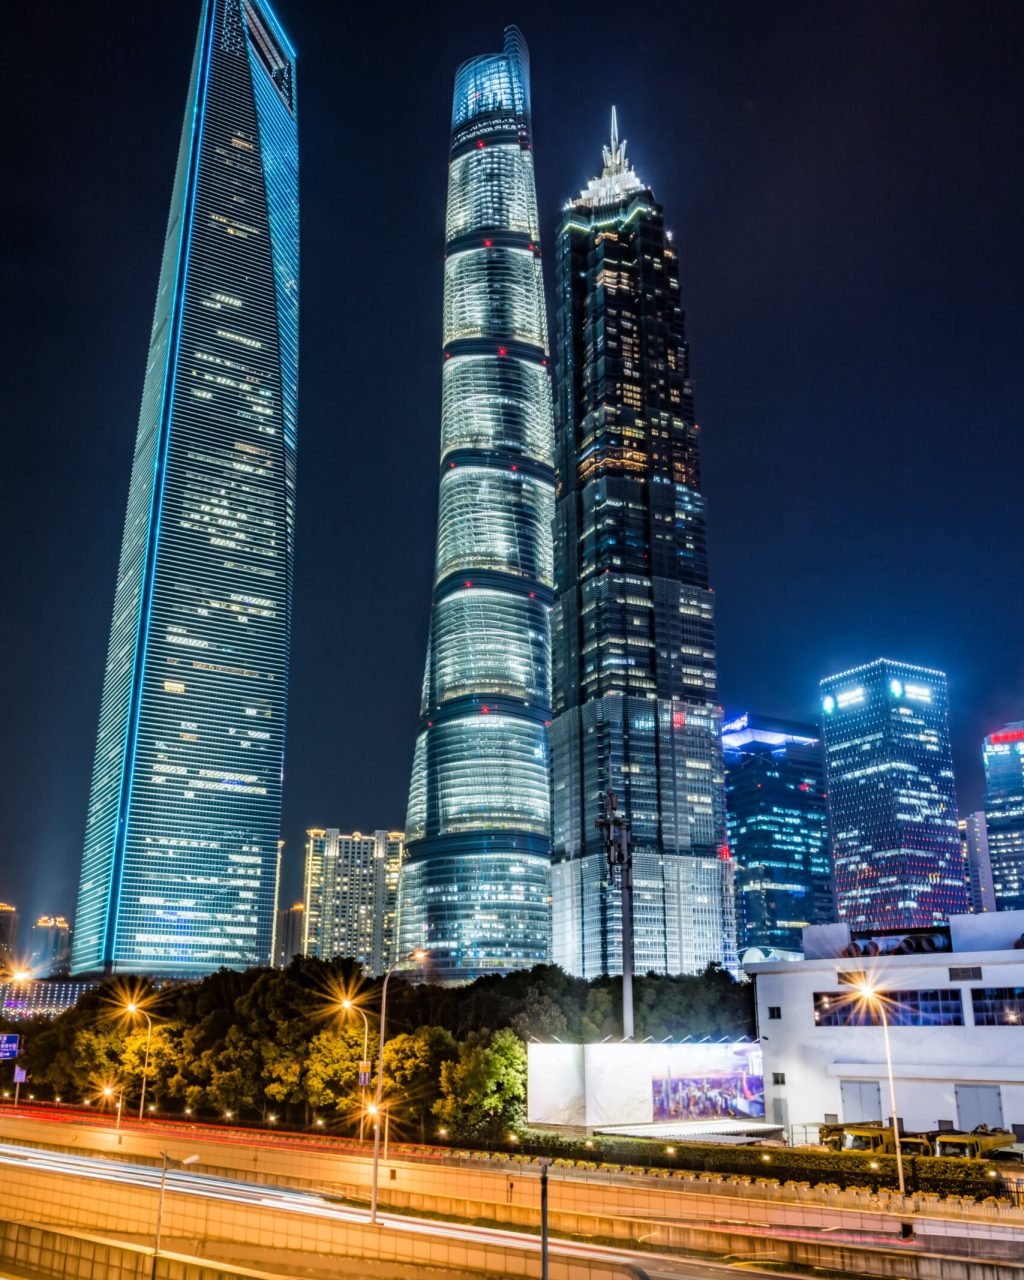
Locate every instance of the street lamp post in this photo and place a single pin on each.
(414, 955)
(877, 1001)
(348, 1005)
(545, 1161)
(134, 1009)
(108, 1092)
(167, 1160)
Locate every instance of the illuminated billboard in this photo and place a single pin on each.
(620, 1084)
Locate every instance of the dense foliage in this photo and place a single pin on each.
(275, 1044)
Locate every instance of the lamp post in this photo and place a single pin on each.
(545, 1161)
(167, 1160)
(414, 955)
(876, 1000)
(108, 1092)
(348, 1006)
(135, 1009)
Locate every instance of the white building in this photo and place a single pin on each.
(955, 1008)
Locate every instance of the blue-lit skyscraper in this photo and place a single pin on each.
(896, 849)
(1003, 754)
(180, 863)
(778, 830)
(635, 680)
(475, 883)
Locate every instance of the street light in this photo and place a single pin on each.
(108, 1092)
(181, 1164)
(133, 1009)
(876, 1000)
(364, 1066)
(417, 955)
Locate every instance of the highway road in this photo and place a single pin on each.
(657, 1267)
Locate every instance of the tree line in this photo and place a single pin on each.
(276, 1045)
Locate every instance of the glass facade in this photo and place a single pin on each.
(943, 1007)
(892, 801)
(635, 684)
(998, 1006)
(974, 841)
(351, 896)
(1003, 754)
(778, 830)
(180, 860)
(475, 884)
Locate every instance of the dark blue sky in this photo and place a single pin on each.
(845, 183)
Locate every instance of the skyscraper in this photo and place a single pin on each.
(475, 884)
(635, 685)
(778, 830)
(974, 840)
(892, 799)
(178, 874)
(1003, 754)
(290, 934)
(8, 933)
(351, 895)
(50, 946)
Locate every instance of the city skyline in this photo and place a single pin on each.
(985, 689)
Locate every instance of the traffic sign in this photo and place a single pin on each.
(9, 1046)
(20, 1075)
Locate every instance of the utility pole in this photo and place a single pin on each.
(615, 828)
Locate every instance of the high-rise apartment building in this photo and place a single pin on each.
(50, 946)
(179, 867)
(475, 885)
(1003, 754)
(8, 932)
(778, 830)
(289, 939)
(351, 896)
(635, 685)
(892, 799)
(974, 841)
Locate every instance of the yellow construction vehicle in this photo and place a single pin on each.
(873, 1138)
(977, 1145)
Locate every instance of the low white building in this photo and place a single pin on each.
(955, 1008)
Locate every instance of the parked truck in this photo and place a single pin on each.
(873, 1137)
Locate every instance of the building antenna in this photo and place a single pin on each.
(615, 828)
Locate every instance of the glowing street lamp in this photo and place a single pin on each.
(134, 1009)
(419, 956)
(109, 1092)
(364, 1067)
(876, 1000)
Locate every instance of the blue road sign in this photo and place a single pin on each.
(9, 1046)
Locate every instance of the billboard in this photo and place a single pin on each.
(711, 1082)
(619, 1084)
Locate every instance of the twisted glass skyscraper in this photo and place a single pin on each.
(635, 682)
(475, 883)
(180, 863)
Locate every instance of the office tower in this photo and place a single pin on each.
(290, 934)
(635, 686)
(178, 874)
(475, 885)
(974, 842)
(8, 932)
(50, 946)
(778, 830)
(351, 895)
(892, 800)
(1003, 754)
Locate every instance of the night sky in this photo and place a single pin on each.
(845, 184)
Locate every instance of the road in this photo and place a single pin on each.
(657, 1267)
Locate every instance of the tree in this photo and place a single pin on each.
(412, 1073)
(483, 1092)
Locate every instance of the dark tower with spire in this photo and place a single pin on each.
(634, 678)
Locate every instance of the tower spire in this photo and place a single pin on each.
(615, 132)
